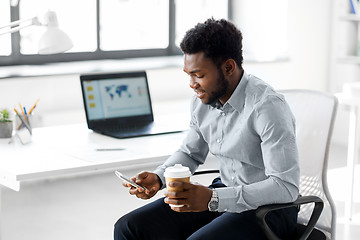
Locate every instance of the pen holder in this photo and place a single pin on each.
(23, 129)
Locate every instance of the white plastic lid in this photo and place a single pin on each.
(177, 171)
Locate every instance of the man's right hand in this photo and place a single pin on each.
(149, 180)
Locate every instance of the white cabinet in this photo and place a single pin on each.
(349, 50)
(344, 54)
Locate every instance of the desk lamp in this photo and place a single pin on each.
(53, 41)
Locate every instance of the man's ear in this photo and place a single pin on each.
(229, 67)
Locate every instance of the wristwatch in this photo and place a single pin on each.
(213, 204)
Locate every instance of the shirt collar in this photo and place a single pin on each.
(237, 99)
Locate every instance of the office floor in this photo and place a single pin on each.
(91, 204)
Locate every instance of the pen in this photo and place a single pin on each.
(25, 111)
(34, 106)
(109, 149)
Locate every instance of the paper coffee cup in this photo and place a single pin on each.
(176, 173)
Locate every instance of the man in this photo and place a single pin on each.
(247, 126)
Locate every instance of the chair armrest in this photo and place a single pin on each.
(262, 211)
(200, 172)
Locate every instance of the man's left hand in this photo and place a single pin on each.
(195, 197)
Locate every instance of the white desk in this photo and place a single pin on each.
(353, 147)
(71, 149)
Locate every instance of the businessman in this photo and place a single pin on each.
(250, 130)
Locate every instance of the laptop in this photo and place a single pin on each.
(119, 105)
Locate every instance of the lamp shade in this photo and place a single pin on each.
(53, 41)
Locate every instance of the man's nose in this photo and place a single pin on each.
(193, 84)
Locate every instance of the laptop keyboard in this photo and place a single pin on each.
(128, 128)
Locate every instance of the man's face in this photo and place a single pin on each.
(207, 80)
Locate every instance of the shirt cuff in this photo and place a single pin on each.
(228, 199)
(160, 173)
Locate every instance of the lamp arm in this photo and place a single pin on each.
(32, 21)
(52, 41)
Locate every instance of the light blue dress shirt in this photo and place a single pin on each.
(252, 137)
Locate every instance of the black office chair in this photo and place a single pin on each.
(315, 116)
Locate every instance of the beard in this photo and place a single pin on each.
(222, 87)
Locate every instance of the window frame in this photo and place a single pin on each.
(16, 58)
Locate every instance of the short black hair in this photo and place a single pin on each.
(218, 39)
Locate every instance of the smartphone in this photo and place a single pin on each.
(126, 179)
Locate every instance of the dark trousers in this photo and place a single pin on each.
(157, 221)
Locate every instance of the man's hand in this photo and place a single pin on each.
(195, 197)
(149, 180)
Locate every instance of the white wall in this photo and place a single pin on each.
(312, 63)
(309, 44)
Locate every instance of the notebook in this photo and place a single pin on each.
(119, 105)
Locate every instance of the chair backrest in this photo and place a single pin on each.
(315, 116)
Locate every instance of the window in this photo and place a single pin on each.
(123, 29)
(200, 10)
(5, 49)
(106, 29)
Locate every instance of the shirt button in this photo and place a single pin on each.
(218, 140)
(223, 114)
(232, 178)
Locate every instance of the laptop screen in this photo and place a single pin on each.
(118, 95)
